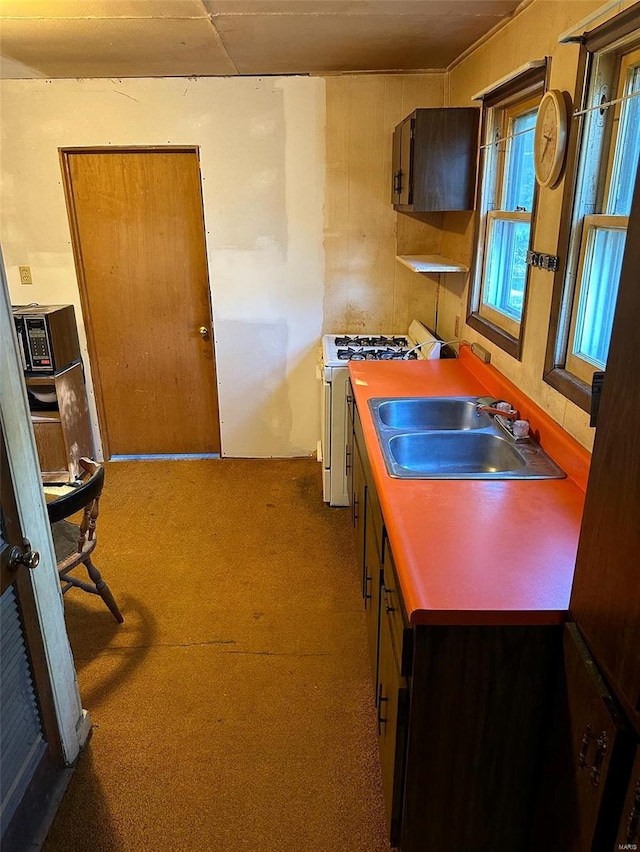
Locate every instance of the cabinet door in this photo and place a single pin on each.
(588, 760)
(393, 704)
(405, 182)
(359, 510)
(350, 448)
(629, 831)
(371, 591)
(396, 165)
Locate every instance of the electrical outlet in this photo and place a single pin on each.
(456, 329)
(25, 275)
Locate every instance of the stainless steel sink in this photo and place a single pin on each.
(446, 438)
(431, 413)
(457, 453)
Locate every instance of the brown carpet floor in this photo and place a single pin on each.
(233, 708)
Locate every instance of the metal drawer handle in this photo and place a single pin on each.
(387, 605)
(381, 719)
(602, 744)
(367, 581)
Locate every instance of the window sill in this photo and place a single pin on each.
(511, 345)
(570, 386)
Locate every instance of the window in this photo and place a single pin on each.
(508, 190)
(608, 162)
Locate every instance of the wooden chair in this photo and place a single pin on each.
(75, 543)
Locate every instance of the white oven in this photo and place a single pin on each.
(337, 351)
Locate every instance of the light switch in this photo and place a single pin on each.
(25, 275)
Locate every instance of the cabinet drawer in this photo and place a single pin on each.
(375, 517)
(393, 713)
(393, 613)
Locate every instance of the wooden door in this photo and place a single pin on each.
(605, 599)
(30, 750)
(138, 234)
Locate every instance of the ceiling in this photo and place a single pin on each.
(181, 38)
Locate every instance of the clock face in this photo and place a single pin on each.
(550, 138)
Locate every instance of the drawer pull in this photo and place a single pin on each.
(367, 586)
(381, 719)
(388, 607)
(634, 816)
(602, 743)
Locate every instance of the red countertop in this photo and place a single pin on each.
(474, 552)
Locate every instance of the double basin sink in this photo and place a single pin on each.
(449, 438)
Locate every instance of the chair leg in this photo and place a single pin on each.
(103, 590)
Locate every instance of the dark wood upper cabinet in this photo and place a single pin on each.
(434, 160)
(605, 600)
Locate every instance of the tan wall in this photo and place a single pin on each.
(261, 144)
(366, 289)
(532, 35)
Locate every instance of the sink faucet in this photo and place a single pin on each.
(507, 411)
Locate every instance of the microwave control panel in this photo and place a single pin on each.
(38, 343)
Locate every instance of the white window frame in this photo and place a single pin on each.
(567, 369)
(499, 327)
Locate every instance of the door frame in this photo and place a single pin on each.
(64, 154)
(73, 723)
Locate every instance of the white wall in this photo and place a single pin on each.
(262, 159)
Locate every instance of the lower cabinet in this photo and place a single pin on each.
(393, 714)
(462, 711)
(371, 588)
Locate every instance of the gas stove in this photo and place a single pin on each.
(338, 349)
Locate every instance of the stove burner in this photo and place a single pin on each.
(353, 353)
(376, 340)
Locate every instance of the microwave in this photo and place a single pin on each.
(47, 337)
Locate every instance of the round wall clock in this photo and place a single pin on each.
(550, 142)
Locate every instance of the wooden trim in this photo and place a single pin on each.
(511, 345)
(570, 386)
(529, 79)
(518, 98)
(612, 30)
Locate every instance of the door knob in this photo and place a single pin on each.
(18, 556)
(203, 331)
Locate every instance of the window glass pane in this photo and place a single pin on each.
(520, 174)
(598, 293)
(506, 269)
(627, 150)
